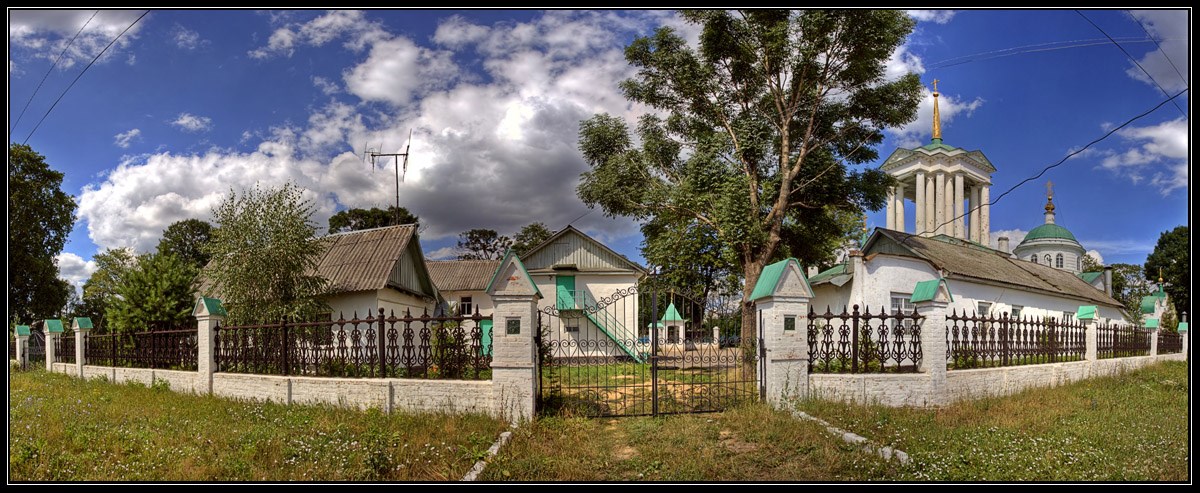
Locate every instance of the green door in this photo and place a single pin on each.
(485, 326)
(565, 292)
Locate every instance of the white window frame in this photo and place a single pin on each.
(906, 307)
(465, 306)
(983, 308)
(1016, 312)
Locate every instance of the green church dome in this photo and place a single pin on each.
(1050, 232)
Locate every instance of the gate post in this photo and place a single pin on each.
(22, 346)
(514, 351)
(81, 325)
(54, 330)
(209, 312)
(1087, 315)
(782, 294)
(931, 298)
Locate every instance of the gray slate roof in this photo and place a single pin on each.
(462, 275)
(970, 261)
(363, 260)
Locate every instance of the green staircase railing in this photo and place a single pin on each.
(608, 324)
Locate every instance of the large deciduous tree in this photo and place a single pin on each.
(1171, 258)
(100, 290)
(529, 236)
(40, 216)
(157, 294)
(186, 239)
(482, 244)
(359, 219)
(264, 256)
(757, 134)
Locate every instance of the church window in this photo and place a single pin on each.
(1058, 261)
(1048, 260)
(1033, 258)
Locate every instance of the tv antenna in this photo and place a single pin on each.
(399, 177)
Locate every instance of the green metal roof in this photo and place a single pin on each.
(1089, 277)
(1086, 312)
(1151, 323)
(1049, 232)
(769, 279)
(83, 322)
(1148, 303)
(22, 330)
(937, 144)
(927, 290)
(520, 265)
(1182, 327)
(827, 274)
(213, 306)
(54, 325)
(671, 314)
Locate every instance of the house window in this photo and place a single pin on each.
(572, 326)
(902, 304)
(1016, 311)
(1058, 261)
(465, 307)
(984, 307)
(1033, 258)
(1067, 317)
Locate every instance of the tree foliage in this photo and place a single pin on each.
(186, 239)
(757, 132)
(1091, 265)
(40, 216)
(531, 235)
(264, 256)
(100, 290)
(359, 219)
(1171, 256)
(1129, 287)
(482, 244)
(157, 294)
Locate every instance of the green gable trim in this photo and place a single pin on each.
(54, 325)
(927, 290)
(672, 313)
(83, 322)
(1151, 323)
(1182, 327)
(213, 306)
(22, 330)
(521, 265)
(1086, 312)
(769, 279)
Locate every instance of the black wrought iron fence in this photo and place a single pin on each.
(1115, 340)
(64, 349)
(457, 347)
(159, 349)
(983, 341)
(863, 342)
(1169, 342)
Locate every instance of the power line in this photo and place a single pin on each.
(85, 69)
(51, 69)
(1051, 46)
(1065, 158)
(1135, 62)
(1160, 49)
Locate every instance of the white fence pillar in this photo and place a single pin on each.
(209, 313)
(514, 335)
(930, 299)
(22, 346)
(81, 326)
(51, 343)
(781, 295)
(1088, 315)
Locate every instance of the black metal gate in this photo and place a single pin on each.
(631, 353)
(36, 345)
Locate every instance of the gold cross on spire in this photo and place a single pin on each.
(935, 81)
(1049, 189)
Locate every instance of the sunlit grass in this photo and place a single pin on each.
(67, 429)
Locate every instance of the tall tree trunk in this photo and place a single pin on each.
(749, 337)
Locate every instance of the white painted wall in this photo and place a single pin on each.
(1071, 253)
(598, 287)
(479, 299)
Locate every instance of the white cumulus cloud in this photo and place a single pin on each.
(917, 132)
(1169, 65)
(1158, 151)
(935, 16)
(74, 269)
(193, 123)
(44, 34)
(124, 139)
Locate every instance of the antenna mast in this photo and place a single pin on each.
(373, 155)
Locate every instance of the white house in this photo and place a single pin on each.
(376, 268)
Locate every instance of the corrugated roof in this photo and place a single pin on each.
(963, 261)
(462, 275)
(828, 274)
(363, 260)
(1089, 277)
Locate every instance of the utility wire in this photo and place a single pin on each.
(85, 69)
(51, 69)
(1135, 62)
(1051, 46)
(1065, 158)
(1160, 49)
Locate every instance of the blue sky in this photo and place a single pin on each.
(189, 104)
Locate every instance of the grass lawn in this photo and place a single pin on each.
(68, 429)
(1131, 427)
